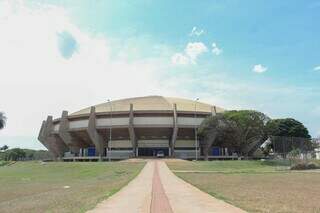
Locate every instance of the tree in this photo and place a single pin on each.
(287, 127)
(30, 156)
(4, 148)
(288, 134)
(250, 129)
(15, 154)
(240, 130)
(214, 129)
(3, 120)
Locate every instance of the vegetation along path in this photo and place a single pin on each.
(157, 189)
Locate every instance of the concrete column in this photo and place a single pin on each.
(41, 133)
(56, 146)
(42, 137)
(65, 135)
(175, 129)
(213, 110)
(94, 136)
(46, 138)
(132, 134)
(49, 126)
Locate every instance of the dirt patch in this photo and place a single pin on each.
(174, 160)
(134, 160)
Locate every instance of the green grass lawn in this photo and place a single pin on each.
(2, 163)
(61, 186)
(254, 186)
(229, 166)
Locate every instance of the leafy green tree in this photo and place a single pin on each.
(214, 130)
(30, 156)
(4, 148)
(15, 154)
(38, 154)
(288, 134)
(250, 129)
(3, 120)
(287, 127)
(240, 130)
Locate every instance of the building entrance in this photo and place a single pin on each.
(152, 152)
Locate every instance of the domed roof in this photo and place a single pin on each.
(150, 103)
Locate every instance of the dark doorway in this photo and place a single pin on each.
(152, 152)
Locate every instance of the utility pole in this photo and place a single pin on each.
(110, 131)
(195, 127)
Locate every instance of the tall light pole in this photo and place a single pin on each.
(195, 127)
(110, 131)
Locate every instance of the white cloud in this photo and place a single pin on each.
(196, 32)
(215, 49)
(190, 54)
(180, 59)
(258, 68)
(39, 81)
(194, 49)
(317, 68)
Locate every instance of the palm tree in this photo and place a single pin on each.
(3, 120)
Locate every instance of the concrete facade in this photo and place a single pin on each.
(94, 136)
(50, 140)
(138, 127)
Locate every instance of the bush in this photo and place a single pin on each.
(14, 154)
(258, 154)
(304, 166)
(24, 154)
(277, 162)
(3, 163)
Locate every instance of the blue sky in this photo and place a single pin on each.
(261, 55)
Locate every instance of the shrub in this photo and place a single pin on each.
(3, 163)
(312, 166)
(304, 166)
(258, 154)
(277, 162)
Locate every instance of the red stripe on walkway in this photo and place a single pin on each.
(159, 200)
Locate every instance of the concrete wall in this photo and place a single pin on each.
(56, 127)
(185, 154)
(185, 143)
(165, 121)
(78, 124)
(189, 121)
(153, 143)
(120, 154)
(120, 144)
(115, 121)
(153, 121)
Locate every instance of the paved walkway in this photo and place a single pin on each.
(135, 197)
(159, 201)
(185, 198)
(156, 189)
